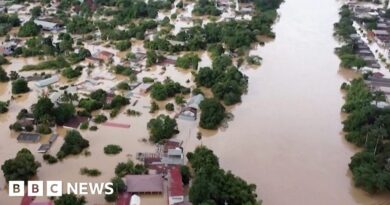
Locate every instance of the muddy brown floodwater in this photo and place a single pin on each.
(285, 137)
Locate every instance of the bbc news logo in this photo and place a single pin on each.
(55, 188)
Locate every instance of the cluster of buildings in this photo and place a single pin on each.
(364, 51)
(165, 178)
(374, 22)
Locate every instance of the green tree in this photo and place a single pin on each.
(74, 144)
(64, 112)
(20, 86)
(212, 185)
(36, 11)
(212, 114)
(23, 167)
(4, 107)
(71, 73)
(3, 75)
(162, 127)
(123, 169)
(43, 108)
(70, 199)
(119, 187)
(29, 29)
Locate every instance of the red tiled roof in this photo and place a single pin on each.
(106, 53)
(123, 199)
(175, 182)
(26, 200)
(377, 75)
(42, 203)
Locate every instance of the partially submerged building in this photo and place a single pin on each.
(190, 111)
(175, 186)
(48, 25)
(27, 137)
(144, 184)
(48, 81)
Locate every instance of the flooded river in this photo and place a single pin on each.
(286, 135)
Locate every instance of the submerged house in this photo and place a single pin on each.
(104, 56)
(48, 81)
(8, 48)
(173, 157)
(27, 137)
(189, 112)
(48, 25)
(144, 184)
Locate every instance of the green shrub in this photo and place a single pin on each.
(112, 149)
(90, 172)
(100, 118)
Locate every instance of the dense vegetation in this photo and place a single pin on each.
(29, 29)
(343, 30)
(55, 64)
(206, 7)
(7, 22)
(167, 89)
(189, 60)
(162, 127)
(20, 86)
(213, 185)
(74, 144)
(368, 127)
(23, 167)
(4, 106)
(119, 187)
(3, 75)
(123, 169)
(212, 114)
(70, 199)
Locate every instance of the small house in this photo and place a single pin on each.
(93, 60)
(15, 8)
(173, 157)
(8, 48)
(28, 137)
(189, 112)
(105, 56)
(48, 81)
(48, 25)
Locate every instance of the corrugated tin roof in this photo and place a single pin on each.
(47, 81)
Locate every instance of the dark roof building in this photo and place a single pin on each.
(28, 137)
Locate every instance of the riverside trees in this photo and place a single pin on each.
(368, 127)
(213, 185)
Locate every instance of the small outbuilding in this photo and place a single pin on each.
(48, 81)
(28, 137)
